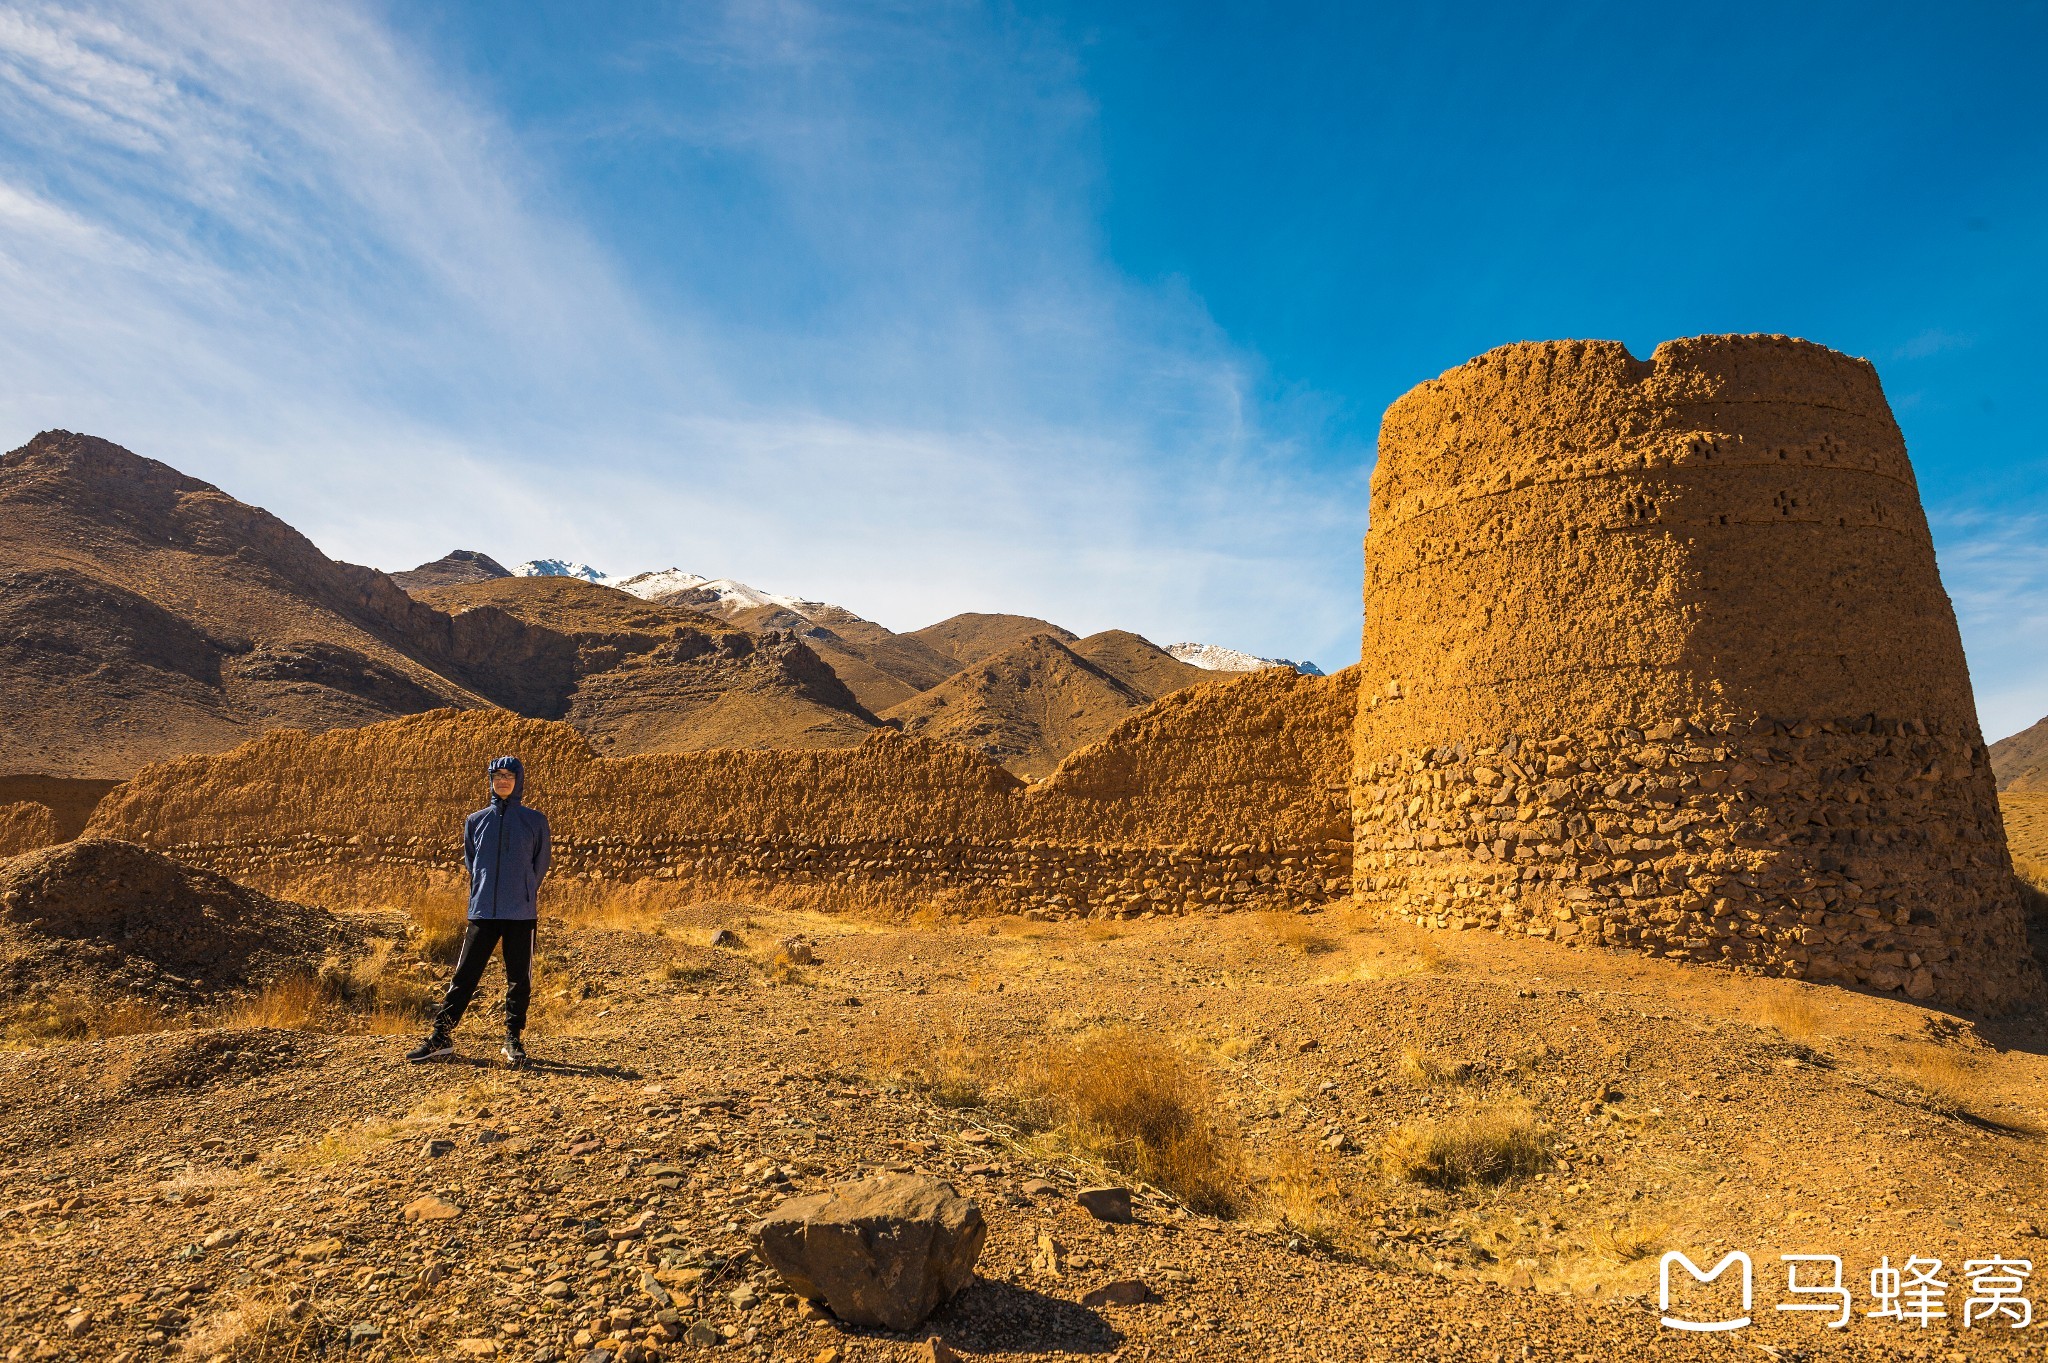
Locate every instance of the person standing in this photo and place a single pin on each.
(505, 846)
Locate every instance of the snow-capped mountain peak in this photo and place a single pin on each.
(1217, 658)
(660, 583)
(558, 567)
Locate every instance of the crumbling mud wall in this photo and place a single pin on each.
(1656, 654)
(1226, 794)
(26, 825)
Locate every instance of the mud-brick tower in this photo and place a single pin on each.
(1656, 655)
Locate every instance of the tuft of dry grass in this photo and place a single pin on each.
(947, 1064)
(1793, 1014)
(1124, 1097)
(1427, 1071)
(1952, 1086)
(2033, 879)
(437, 927)
(1487, 1144)
(1140, 1105)
(1301, 1198)
(1625, 1241)
(1100, 930)
(78, 1017)
(297, 1001)
(1296, 933)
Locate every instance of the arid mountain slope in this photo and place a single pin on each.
(1025, 707)
(1139, 663)
(639, 676)
(451, 569)
(970, 637)
(144, 614)
(2021, 761)
(880, 666)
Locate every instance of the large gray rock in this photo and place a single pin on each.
(883, 1251)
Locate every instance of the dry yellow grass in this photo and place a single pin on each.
(297, 1002)
(1793, 1014)
(945, 1063)
(1299, 1197)
(1427, 1071)
(1296, 933)
(1126, 1098)
(76, 1017)
(1487, 1144)
(1625, 1241)
(1140, 1105)
(2033, 879)
(1954, 1086)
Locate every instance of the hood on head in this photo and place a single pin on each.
(513, 765)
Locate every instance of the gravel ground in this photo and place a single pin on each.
(275, 1193)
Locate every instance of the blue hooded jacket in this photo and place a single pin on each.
(505, 847)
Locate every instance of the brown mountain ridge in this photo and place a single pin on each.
(146, 615)
(2020, 762)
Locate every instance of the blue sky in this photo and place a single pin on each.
(1088, 313)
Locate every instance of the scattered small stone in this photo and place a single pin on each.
(1038, 1187)
(726, 937)
(703, 1334)
(318, 1251)
(581, 1148)
(221, 1239)
(1310, 1045)
(429, 1208)
(477, 1348)
(1106, 1203)
(489, 1136)
(1122, 1292)
(437, 1147)
(799, 950)
(77, 1323)
(977, 1137)
(1049, 1258)
(935, 1351)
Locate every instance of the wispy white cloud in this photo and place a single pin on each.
(1996, 569)
(273, 244)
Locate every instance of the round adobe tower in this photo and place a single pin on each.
(1656, 654)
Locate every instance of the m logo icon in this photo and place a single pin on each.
(1664, 1290)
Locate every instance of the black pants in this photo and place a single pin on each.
(478, 940)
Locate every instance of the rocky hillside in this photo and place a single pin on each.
(638, 676)
(2021, 761)
(144, 614)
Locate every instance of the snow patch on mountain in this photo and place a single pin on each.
(1217, 658)
(560, 567)
(654, 585)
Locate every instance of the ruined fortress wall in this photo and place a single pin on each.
(1656, 654)
(1229, 793)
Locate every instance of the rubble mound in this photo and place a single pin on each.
(102, 916)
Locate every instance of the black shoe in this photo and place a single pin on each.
(433, 1048)
(515, 1052)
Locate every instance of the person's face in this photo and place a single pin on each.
(502, 783)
